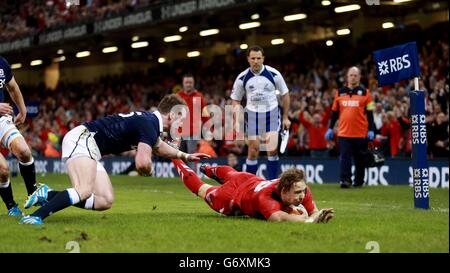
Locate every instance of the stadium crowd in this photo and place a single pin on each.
(312, 84)
(23, 17)
(312, 77)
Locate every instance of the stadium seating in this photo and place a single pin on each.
(310, 81)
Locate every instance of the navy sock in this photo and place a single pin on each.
(7, 196)
(51, 194)
(61, 201)
(252, 166)
(81, 204)
(272, 167)
(28, 173)
(89, 203)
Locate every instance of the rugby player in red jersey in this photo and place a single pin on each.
(244, 193)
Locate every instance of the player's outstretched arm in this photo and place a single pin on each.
(281, 216)
(165, 150)
(322, 216)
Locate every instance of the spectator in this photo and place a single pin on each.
(439, 136)
(233, 162)
(192, 128)
(71, 103)
(205, 147)
(393, 131)
(316, 127)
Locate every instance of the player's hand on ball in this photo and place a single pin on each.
(325, 215)
(328, 217)
(197, 156)
(300, 209)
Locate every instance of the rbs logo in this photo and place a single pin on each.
(394, 65)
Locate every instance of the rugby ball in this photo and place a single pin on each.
(298, 210)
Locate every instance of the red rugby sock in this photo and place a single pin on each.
(219, 173)
(189, 177)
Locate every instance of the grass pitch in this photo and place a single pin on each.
(161, 215)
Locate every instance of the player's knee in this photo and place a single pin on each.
(23, 153)
(103, 206)
(105, 203)
(4, 172)
(108, 205)
(253, 153)
(109, 199)
(253, 148)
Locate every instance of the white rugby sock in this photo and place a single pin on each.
(74, 196)
(90, 202)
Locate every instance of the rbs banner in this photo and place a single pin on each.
(419, 141)
(397, 63)
(320, 171)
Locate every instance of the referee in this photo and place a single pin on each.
(353, 107)
(260, 83)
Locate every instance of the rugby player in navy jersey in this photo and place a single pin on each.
(84, 146)
(12, 139)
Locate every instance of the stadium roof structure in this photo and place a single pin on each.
(153, 23)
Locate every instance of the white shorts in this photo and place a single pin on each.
(80, 142)
(7, 124)
(257, 124)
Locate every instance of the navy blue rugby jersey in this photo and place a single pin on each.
(119, 133)
(5, 76)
